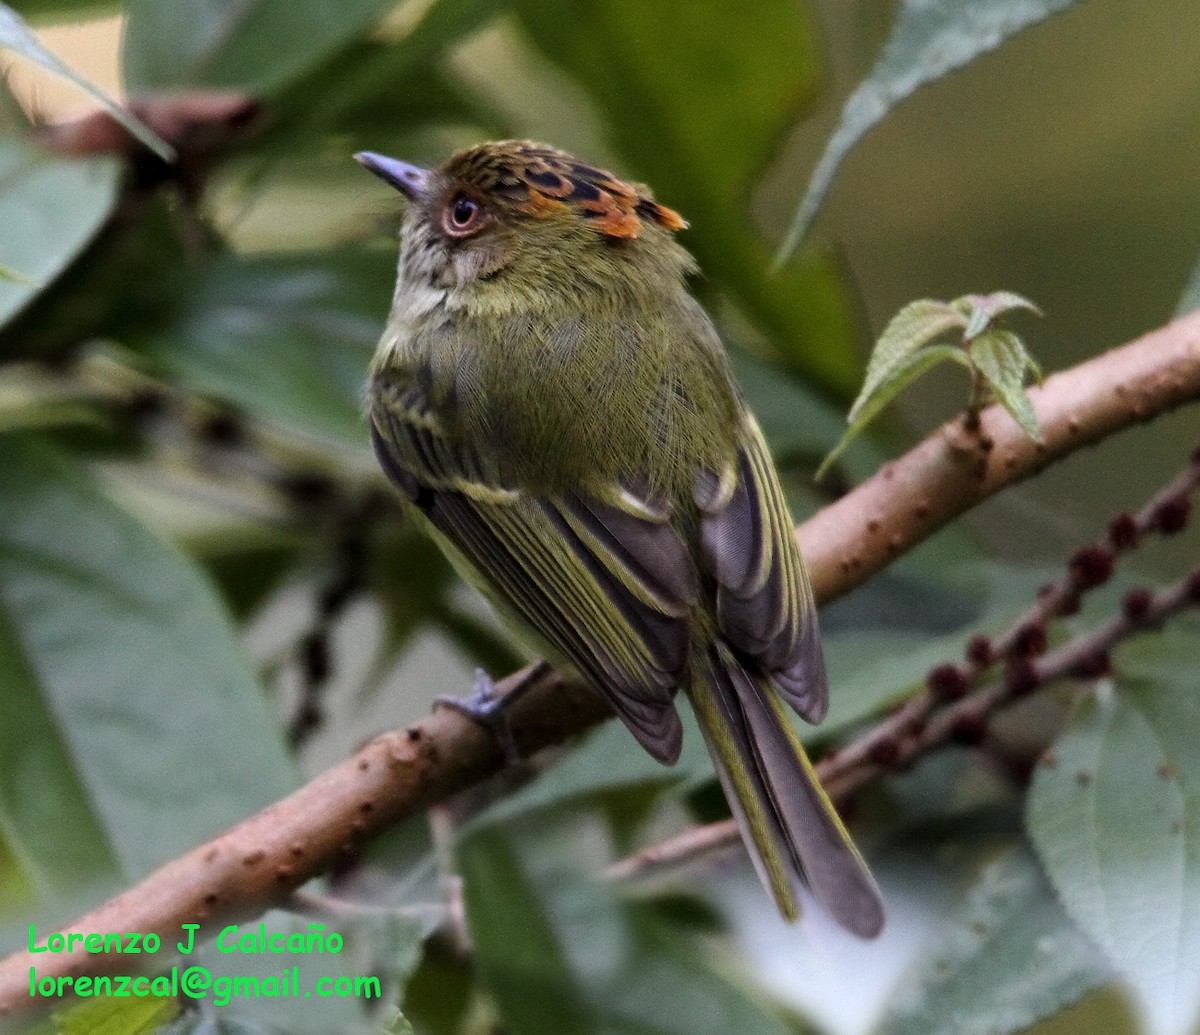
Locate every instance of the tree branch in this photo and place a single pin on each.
(262, 860)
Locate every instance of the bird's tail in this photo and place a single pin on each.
(788, 823)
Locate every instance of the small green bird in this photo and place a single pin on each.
(562, 415)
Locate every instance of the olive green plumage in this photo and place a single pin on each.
(561, 414)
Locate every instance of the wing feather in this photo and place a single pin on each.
(606, 588)
(765, 605)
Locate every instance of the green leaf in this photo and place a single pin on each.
(287, 338)
(52, 10)
(984, 310)
(608, 760)
(1001, 359)
(1114, 811)
(39, 779)
(121, 664)
(899, 376)
(520, 954)
(697, 106)
(1009, 956)
(113, 1016)
(18, 36)
(129, 276)
(370, 95)
(376, 942)
(50, 209)
(254, 45)
(561, 953)
(794, 418)
(930, 38)
(914, 327)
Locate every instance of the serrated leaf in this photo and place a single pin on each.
(1007, 957)
(19, 37)
(915, 326)
(900, 375)
(119, 659)
(930, 38)
(983, 310)
(1002, 361)
(50, 209)
(1115, 816)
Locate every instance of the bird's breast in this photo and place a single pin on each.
(577, 400)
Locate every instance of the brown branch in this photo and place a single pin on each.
(262, 860)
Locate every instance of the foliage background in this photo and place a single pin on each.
(205, 592)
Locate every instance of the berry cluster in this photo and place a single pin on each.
(959, 698)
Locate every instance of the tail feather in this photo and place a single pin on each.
(788, 823)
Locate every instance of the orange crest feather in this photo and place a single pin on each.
(541, 180)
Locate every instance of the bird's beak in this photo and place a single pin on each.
(409, 180)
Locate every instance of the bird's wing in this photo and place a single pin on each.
(764, 601)
(606, 584)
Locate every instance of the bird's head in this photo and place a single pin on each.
(503, 223)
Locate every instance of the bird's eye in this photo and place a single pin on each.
(464, 215)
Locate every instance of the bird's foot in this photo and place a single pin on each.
(488, 709)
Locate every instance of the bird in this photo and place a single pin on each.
(560, 415)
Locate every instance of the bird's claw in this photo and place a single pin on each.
(488, 709)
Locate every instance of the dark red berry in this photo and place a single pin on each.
(1069, 605)
(1172, 514)
(1123, 532)
(947, 683)
(979, 651)
(1094, 666)
(1030, 640)
(1091, 566)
